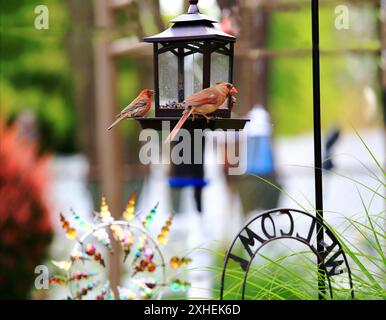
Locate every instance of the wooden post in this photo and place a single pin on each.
(157, 13)
(108, 143)
(250, 73)
(82, 65)
(253, 75)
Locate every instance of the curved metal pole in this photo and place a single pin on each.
(317, 144)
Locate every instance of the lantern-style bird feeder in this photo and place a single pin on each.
(190, 56)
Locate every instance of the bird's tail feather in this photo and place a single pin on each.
(178, 126)
(116, 122)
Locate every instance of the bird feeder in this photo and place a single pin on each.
(193, 54)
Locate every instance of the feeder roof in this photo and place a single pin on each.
(191, 26)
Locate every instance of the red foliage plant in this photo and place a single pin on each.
(25, 224)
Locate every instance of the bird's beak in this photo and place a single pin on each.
(152, 92)
(233, 91)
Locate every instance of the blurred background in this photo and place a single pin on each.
(60, 87)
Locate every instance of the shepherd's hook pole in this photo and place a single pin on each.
(317, 144)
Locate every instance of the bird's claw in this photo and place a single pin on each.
(207, 118)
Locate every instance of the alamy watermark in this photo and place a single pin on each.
(226, 147)
(342, 17)
(42, 278)
(42, 20)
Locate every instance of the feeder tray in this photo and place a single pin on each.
(198, 123)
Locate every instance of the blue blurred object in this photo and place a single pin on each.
(182, 182)
(332, 139)
(198, 183)
(259, 144)
(259, 155)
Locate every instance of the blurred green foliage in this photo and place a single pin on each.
(35, 72)
(344, 76)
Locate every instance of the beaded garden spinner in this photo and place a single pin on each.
(145, 268)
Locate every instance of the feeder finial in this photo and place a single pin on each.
(193, 8)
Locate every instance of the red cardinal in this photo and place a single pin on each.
(137, 108)
(202, 103)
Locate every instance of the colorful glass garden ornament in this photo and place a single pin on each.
(151, 267)
(176, 262)
(150, 217)
(85, 290)
(126, 294)
(57, 280)
(91, 251)
(118, 232)
(105, 293)
(81, 275)
(80, 222)
(140, 245)
(146, 294)
(71, 233)
(127, 244)
(104, 238)
(129, 213)
(105, 213)
(162, 237)
(178, 285)
(131, 236)
(146, 263)
(125, 237)
(148, 252)
(79, 255)
(102, 294)
(151, 283)
(146, 287)
(63, 265)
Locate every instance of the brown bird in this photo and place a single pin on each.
(137, 108)
(202, 103)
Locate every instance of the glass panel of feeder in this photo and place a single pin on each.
(193, 73)
(168, 80)
(219, 71)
